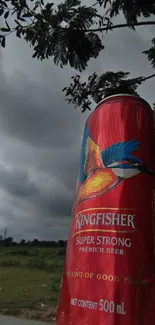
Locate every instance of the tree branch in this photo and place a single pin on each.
(140, 23)
(149, 77)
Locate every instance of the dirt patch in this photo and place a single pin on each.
(46, 314)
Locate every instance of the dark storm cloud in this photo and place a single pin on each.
(28, 210)
(17, 182)
(37, 115)
(49, 199)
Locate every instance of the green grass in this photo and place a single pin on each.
(29, 277)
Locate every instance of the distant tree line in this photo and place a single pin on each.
(35, 242)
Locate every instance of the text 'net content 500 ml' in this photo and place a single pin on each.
(109, 270)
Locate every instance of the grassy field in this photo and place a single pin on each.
(30, 281)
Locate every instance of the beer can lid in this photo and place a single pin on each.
(125, 95)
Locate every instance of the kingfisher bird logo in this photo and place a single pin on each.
(100, 171)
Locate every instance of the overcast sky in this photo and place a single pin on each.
(40, 134)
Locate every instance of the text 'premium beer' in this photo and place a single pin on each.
(109, 270)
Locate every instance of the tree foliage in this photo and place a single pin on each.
(97, 87)
(73, 33)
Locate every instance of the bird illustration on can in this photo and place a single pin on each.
(100, 171)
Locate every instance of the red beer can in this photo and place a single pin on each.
(109, 271)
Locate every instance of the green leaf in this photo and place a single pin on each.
(151, 53)
(6, 15)
(22, 3)
(18, 14)
(34, 54)
(17, 22)
(1, 11)
(3, 42)
(3, 29)
(8, 26)
(19, 31)
(49, 5)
